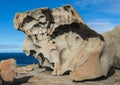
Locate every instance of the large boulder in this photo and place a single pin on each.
(112, 39)
(8, 70)
(60, 39)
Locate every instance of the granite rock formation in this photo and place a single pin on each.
(112, 39)
(60, 40)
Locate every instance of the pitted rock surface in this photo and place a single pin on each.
(60, 40)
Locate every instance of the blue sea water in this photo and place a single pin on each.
(21, 58)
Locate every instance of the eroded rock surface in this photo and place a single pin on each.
(44, 79)
(61, 40)
(112, 39)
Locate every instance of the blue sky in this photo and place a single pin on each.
(100, 15)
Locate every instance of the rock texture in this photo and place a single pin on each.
(61, 40)
(112, 39)
(39, 77)
(8, 70)
(27, 68)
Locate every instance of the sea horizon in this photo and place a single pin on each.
(21, 58)
(13, 52)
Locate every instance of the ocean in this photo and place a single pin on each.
(21, 58)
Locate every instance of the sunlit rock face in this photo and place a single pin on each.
(112, 39)
(8, 70)
(61, 40)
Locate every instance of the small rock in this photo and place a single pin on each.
(8, 70)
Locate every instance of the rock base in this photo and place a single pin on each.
(42, 77)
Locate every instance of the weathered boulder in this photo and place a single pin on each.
(61, 40)
(8, 70)
(112, 39)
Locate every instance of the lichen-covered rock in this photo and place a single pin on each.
(8, 70)
(61, 40)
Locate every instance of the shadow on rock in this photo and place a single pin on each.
(18, 81)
